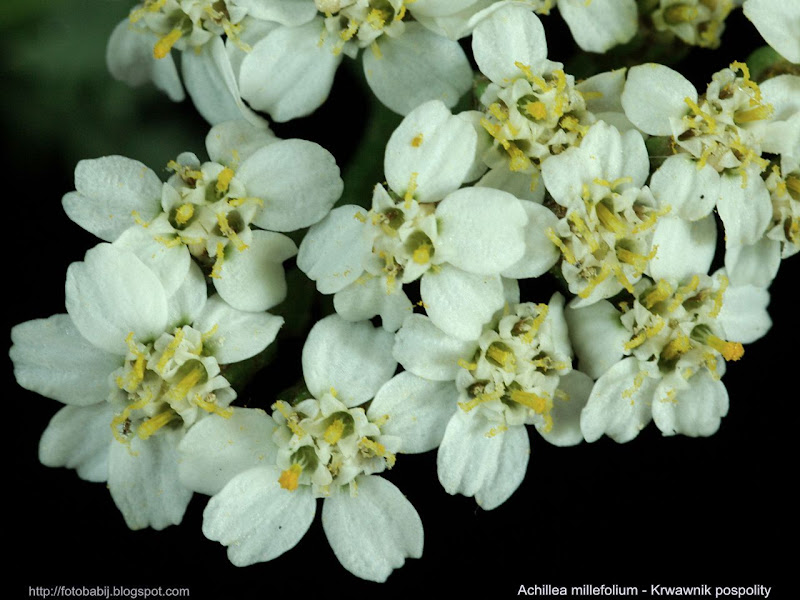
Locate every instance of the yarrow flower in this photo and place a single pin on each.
(472, 398)
(266, 473)
(213, 211)
(662, 354)
(137, 366)
(457, 242)
(719, 141)
(695, 22)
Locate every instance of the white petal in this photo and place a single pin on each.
(285, 12)
(523, 185)
(600, 24)
(374, 531)
(473, 461)
(744, 315)
(169, 263)
(653, 95)
(603, 91)
(297, 180)
(237, 335)
(416, 67)
(143, 479)
(129, 56)
(746, 209)
(460, 303)
(618, 407)
(109, 190)
(233, 142)
(756, 264)
(418, 410)
(597, 335)
(566, 412)
(481, 230)
(288, 74)
(253, 279)
(79, 438)
(511, 34)
(439, 8)
(778, 23)
(53, 359)
(355, 359)
(540, 253)
(427, 351)
(684, 248)
(360, 301)
(430, 149)
(211, 83)
(189, 299)
(256, 518)
(694, 411)
(691, 193)
(333, 251)
(216, 449)
(111, 294)
(484, 143)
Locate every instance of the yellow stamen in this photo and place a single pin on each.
(597, 280)
(536, 403)
(537, 110)
(410, 190)
(211, 407)
(334, 431)
(184, 213)
(373, 448)
(224, 180)
(290, 416)
(467, 365)
(228, 232)
(165, 44)
(169, 351)
(290, 478)
(217, 268)
(153, 424)
(729, 350)
(676, 347)
(610, 220)
(376, 50)
(680, 13)
(149, 6)
(178, 391)
(422, 255)
(505, 358)
(662, 291)
(710, 122)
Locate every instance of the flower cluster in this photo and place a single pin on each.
(438, 337)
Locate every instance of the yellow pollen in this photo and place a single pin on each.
(718, 296)
(138, 219)
(518, 162)
(224, 180)
(467, 365)
(710, 122)
(651, 219)
(645, 334)
(215, 271)
(584, 231)
(373, 448)
(290, 478)
(153, 424)
(496, 430)
(149, 6)
(352, 28)
(622, 279)
(537, 110)
(169, 351)
(211, 407)
(480, 399)
(676, 347)
(662, 291)
(184, 213)
(680, 13)
(505, 358)
(499, 112)
(178, 391)
(747, 82)
(228, 232)
(566, 252)
(417, 141)
(610, 220)
(334, 431)
(165, 44)
(410, 190)
(637, 383)
(376, 18)
(536, 403)
(595, 281)
(422, 255)
(729, 350)
(753, 114)
(683, 292)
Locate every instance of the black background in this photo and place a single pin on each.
(673, 511)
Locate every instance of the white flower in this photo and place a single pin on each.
(607, 215)
(136, 366)
(208, 210)
(662, 354)
(720, 140)
(695, 22)
(784, 187)
(265, 474)
(456, 241)
(779, 24)
(289, 72)
(139, 49)
(472, 398)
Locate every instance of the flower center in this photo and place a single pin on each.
(166, 381)
(323, 443)
(513, 376)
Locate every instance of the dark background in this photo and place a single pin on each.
(672, 511)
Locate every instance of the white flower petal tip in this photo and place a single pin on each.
(373, 531)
